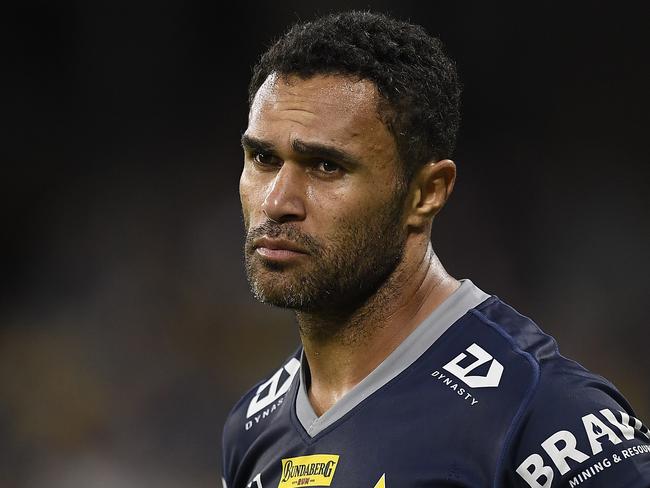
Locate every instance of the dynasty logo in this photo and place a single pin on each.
(314, 470)
(491, 379)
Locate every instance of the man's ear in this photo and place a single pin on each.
(429, 190)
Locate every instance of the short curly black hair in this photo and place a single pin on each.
(416, 80)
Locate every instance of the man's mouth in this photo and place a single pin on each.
(278, 249)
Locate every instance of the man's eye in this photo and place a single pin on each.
(328, 167)
(264, 159)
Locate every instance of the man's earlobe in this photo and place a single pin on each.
(431, 187)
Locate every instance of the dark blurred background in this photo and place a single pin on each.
(126, 327)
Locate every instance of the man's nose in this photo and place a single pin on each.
(284, 201)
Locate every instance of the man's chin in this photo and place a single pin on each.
(279, 290)
(281, 299)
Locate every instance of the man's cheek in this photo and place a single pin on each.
(245, 217)
(245, 208)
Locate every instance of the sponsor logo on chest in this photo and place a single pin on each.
(270, 394)
(314, 470)
(610, 427)
(470, 379)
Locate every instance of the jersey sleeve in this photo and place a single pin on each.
(576, 431)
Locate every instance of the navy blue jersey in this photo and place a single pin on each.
(476, 396)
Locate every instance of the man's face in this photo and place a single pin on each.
(321, 192)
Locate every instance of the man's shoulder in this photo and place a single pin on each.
(553, 380)
(515, 333)
(572, 424)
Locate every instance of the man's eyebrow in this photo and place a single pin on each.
(253, 143)
(308, 149)
(317, 150)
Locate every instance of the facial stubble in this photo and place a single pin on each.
(341, 271)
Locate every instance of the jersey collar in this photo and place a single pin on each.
(465, 298)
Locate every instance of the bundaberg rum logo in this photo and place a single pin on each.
(314, 470)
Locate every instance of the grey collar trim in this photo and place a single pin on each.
(466, 297)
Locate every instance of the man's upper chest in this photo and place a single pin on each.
(427, 427)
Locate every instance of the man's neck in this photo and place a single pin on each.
(365, 337)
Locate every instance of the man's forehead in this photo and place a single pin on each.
(323, 95)
(336, 108)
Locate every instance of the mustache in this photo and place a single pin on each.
(288, 232)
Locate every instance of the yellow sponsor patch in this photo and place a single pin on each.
(314, 470)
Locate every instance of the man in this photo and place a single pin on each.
(406, 376)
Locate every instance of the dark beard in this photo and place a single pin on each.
(339, 277)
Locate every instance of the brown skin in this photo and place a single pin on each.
(323, 204)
